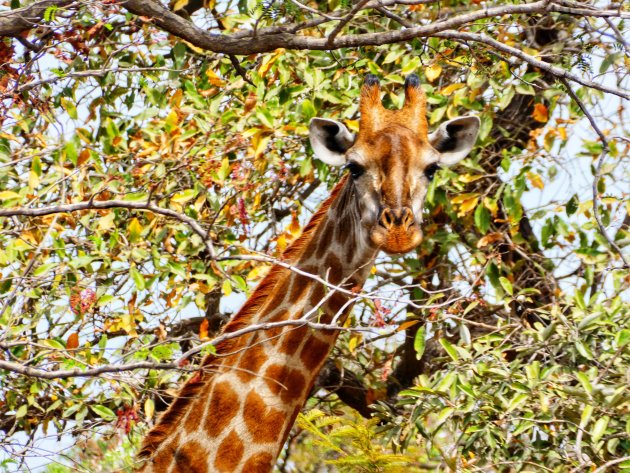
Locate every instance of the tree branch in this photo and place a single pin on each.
(109, 204)
(14, 22)
(553, 70)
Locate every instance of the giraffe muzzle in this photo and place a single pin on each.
(396, 230)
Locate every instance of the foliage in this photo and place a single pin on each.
(502, 343)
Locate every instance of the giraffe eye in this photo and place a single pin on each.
(430, 170)
(355, 169)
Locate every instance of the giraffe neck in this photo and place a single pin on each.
(236, 414)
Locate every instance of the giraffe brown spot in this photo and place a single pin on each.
(333, 306)
(251, 361)
(300, 286)
(292, 339)
(223, 407)
(314, 352)
(264, 423)
(190, 457)
(335, 268)
(326, 238)
(286, 382)
(229, 453)
(259, 463)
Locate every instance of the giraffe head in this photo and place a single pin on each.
(392, 160)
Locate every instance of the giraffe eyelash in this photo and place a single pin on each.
(355, 169)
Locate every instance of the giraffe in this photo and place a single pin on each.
(236, 413)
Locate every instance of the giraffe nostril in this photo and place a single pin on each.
(408, 218)
(396, 218)
(386, 219)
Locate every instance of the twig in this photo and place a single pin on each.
(561, 74)
(598, 170)
(109, 204)
(344, 21)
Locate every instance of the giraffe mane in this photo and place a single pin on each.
(192, 388)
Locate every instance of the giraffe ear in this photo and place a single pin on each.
(330, 140)
(454, 139)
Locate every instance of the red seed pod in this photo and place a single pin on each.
(83, 302)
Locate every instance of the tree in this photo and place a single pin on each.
(154, 163)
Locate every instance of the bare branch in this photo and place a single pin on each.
(178, 365)
(598, 170)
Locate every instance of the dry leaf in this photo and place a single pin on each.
(73, 341)
(488, 239)
(433, 72)
(203, 329)
(540, 113)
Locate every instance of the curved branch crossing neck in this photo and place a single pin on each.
(235, 414)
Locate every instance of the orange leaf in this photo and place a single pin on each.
(406, 325)
(203, 329)
(540, 113)
(491, 238)
(73, 341)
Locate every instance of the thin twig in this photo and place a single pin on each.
(598, 170)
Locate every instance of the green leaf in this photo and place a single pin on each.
(622, 337)
(599, 429)
(419, 342)
(450, 349)
(138, 278)
(104, 412)
(482, 218)
(21, 412)
(583, 350)
(506, 285)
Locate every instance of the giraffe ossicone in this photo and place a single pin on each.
(236, 413)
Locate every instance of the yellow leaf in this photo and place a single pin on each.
(281, 243)
(176, 98)
(491, 205)
(562, 131)
(261, 143)
(353, 342)
(536, 180)
(214, 78)
(433, 72)
(226, 287)
(257, 273)
(459, 199)
(183, 196)
(135, 229)
(469, 178)
(264, 68)
(449, 89)
(33, 179)
(468, 205)
(540, 113)
(7, 195)
(106, 222)
(149, 408)
(353, 125)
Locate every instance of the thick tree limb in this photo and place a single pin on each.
(14, 22)
(265, 41)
